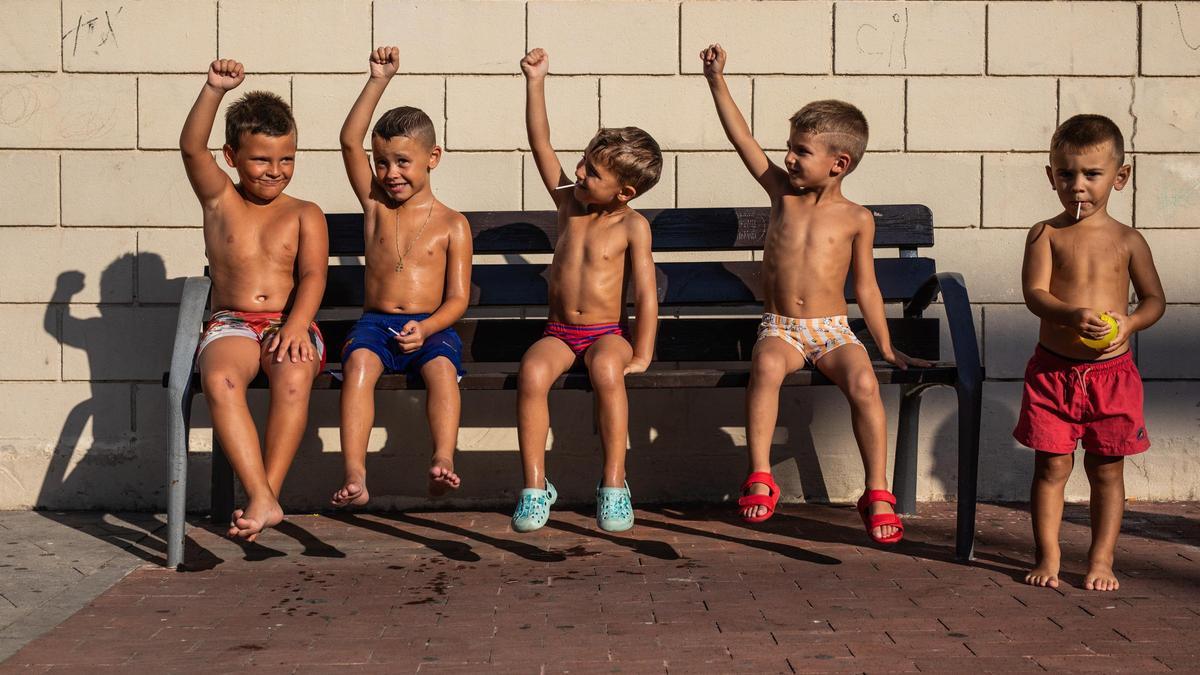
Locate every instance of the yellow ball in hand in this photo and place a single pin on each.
(1108, 337)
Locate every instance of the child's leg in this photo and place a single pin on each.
(1050, 474)
(443, 405)
(772, 360)
(542, 364)
(360, 372)
(606, 360)
(1107, 478)
(850, 369)
(287, 415)
(227, 366)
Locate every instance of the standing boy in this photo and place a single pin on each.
(418, 279)
(267, 254)
(814, 238)
(602, 245)
(1082, 384)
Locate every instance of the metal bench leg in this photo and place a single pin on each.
(904, 473)
(222, 485)
(178, 422)
(970, 407)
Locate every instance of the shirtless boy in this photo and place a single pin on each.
(418, 280)
(815, 237)
(267, 254)
(1078, 267)
(602, 245)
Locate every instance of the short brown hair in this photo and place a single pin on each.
(406, 121)
(632, 154)
(843, 122)
(258, 112)
(1083, 132)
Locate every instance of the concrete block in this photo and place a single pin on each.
(661, 196)
(760, 37)
(1106, 96)
(479, 181)
(36, 262)
(488, 113)
(29, 188)
(1060, 38)
(989, 260)
(606, 36)
(718, 179)
(30, 31)
(881, 100)
(320, 177)
(1167, 350)
(321, 103)
(69, 417)
(1168, 470)
(1005, 113)
(1168, 114)
(1175, 258)
(164, 259)
(164, 102)
(689, 123)
(946, 183)
(176, 36)
(927, 38)
(471, 36)
(1017, 193)
(332, 37)
(1010, 334)
(36, 329)
(1170, 40)
(99, 345)
(102, 187)
(1171, 193)
(938, 311)
(68, 111)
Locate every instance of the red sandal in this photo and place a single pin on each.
(768, 500)
(880, 519)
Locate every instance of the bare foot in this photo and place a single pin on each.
(756, 511)
(883, 531)
(442, 478)
(1100, 577)
(1044, 574)
(353, 492)
(257, 516)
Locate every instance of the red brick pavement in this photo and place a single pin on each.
(688, 590)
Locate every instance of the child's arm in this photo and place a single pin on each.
(1152, 301)
(384, 63)
(536, 65)
(208, 180)
(645, 296)
(455, 296)
(1035, 284)
(870, 300)
(312, 262)
(767, 173)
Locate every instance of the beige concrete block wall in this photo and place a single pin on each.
(98, 227)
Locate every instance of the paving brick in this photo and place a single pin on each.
(36, 329)
(44, 111)
(660, 196)
(138, 36)
(1006, 113)
(1169, 41)
(760, 37)
(1168, 114)
(255, 33)
(881, 100)
(1029, 38)
(321, 103)
(1172, 195)
(472, 36)
(29, 188)
(605, 36)
(29, 29)
(100, 183)
(165, 100)
(934, 38)
(891, 178)
(691, 123)
(34, 261)
(488, 113)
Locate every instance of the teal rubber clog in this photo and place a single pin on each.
(614, 508)
(533, 508)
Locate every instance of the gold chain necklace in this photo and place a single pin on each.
(399, 255)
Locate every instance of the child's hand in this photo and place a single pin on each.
(1088, 324)
(636, 366)
(385, 61)
(536, 64)
(411, 337)
(903, 361)
(225, 74)
(292, 341)
(714, 61)
(1123, 333)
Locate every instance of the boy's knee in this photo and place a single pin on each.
(1104, 469)
(607, 373)
(863, 386)
(1052, 468)
(533, 377)
(220, 386)
(768, 367)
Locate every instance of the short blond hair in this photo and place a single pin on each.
(843, 123)
(632, 154)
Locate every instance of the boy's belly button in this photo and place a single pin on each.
(260, 298)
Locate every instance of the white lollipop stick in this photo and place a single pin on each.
(1078, 208)
(564, 187)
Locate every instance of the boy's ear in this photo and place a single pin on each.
(627, 193)
(229, 153)
(1123, 173)
(841, 163)
(1050, 177)
(435, 156)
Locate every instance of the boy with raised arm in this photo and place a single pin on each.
(418, 279)
(815, 237)
(603, 244)
(267, 254)
(1081, 383)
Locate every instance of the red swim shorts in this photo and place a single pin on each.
(1096, 402)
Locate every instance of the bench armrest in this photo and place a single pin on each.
(953, 289)
(187, 334)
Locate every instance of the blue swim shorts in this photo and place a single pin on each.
(371, 332)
